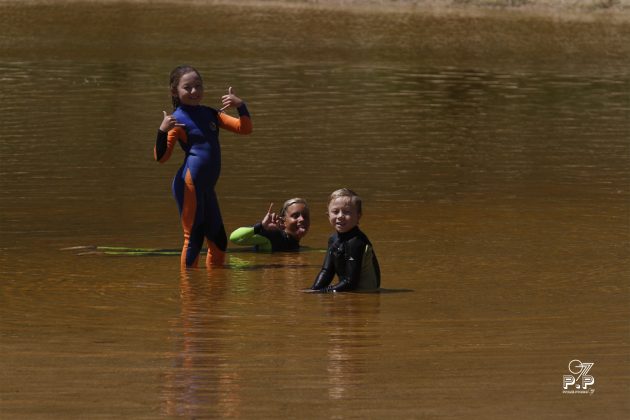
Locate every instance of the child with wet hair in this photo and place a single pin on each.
(196, 128)
(277, 232)
(350, 254)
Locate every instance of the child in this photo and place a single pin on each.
(350, 254)
(277, 233)
(196, 128)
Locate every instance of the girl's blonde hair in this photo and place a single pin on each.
(290, 202)
(349, 195)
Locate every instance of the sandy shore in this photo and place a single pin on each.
(614, 10)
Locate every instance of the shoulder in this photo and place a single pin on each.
(209, 112)
(363, 237)
(186, 112)
(183, 116)
(271, 233)
(359, 240)
(283, 241)
(292, 244)
(178, 113)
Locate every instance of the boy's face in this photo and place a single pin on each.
(343, 215)
(189, 89)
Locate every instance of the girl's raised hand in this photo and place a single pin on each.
(230, 100)
(169, 122)
(272, 221)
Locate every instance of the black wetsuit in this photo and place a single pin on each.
(265, 240)
(351, 257)
(280, 240)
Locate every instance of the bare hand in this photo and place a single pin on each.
(272, 221)
(169, 122)
(230, 100)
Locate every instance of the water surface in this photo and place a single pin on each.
(492, 156)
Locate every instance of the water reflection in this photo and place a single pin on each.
(201, 376)
(352, 326)
(219, 321)
(493, 163)
(216, 324)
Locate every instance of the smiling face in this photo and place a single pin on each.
(343, 214)
(189, 90)
(297, 220)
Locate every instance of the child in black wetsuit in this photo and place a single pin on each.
(350, 254)
(277, 232)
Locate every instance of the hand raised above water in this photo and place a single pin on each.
(169, 122)
(230, 100)
(272, 221)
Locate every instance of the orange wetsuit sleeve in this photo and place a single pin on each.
(240, 125)
(165, 143)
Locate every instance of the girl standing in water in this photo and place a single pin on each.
(196, 128)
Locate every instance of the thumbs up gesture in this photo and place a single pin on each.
(230, 100)
(169, 122)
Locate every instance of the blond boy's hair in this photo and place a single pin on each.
(349, 195)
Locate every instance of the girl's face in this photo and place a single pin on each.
(297, 220)
(343, 214)
(189, 90)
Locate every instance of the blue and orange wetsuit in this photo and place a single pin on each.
(193, 185)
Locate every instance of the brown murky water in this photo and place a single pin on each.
(492, 156)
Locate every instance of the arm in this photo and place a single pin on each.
(240, 125)
(165, 142)
(168, 134)
(161, 146)
(353, 260)
(261, 234)
(327, 273)
(250, 236)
